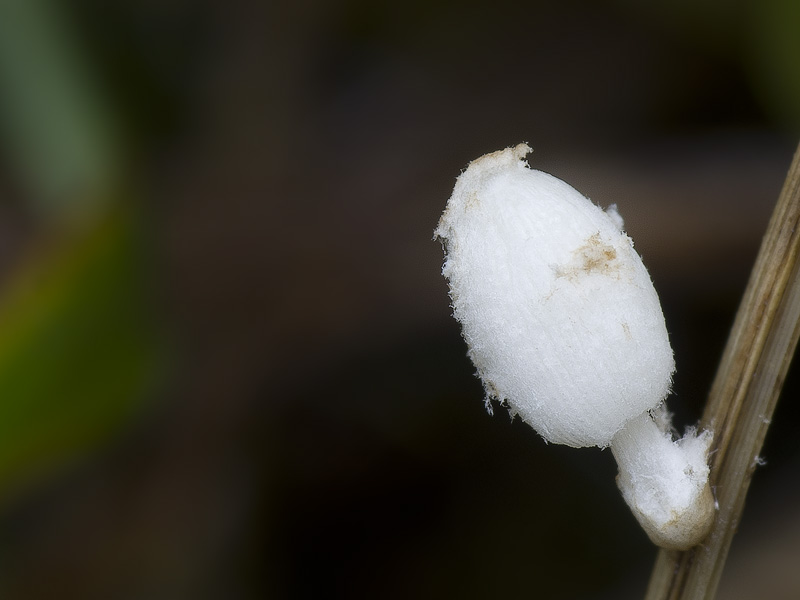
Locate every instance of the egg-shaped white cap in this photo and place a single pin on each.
(560, 315)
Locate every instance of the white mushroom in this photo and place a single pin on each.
(564, 326)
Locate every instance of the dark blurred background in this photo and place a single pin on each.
(227, 363)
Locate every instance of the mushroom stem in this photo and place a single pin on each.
(665, 482)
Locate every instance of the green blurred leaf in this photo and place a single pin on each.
(77, 350)
(61, 134)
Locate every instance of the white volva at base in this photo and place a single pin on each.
(665, 482)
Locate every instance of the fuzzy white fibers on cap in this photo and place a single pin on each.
(558, 311)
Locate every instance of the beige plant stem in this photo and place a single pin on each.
(743, 397)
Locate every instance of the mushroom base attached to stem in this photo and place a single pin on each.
(665, 482)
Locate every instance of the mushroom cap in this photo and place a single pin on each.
(560, 315)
